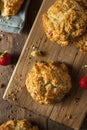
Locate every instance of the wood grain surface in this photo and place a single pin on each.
(72, 110)
(14, 44)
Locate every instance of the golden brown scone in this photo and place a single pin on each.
(81, 43)
(18, 125)
(64, 21)
(10, 7)
(48, 83)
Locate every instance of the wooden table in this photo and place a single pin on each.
(14, 44)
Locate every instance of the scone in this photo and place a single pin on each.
(81, 43)
(18, 125)
(64, 21)
(48, 83)
(10, 7)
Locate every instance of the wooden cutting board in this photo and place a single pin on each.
(72, 109)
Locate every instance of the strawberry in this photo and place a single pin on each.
(5, 58)
(83, 82)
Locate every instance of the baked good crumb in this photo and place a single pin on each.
(36, 53)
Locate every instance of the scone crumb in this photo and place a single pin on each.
(86, 43)
(77, 99)
(69, 116)
(1, 35)
(7, 18)
(36, 53)
(85, 66)
(14, 99)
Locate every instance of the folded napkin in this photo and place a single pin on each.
(15, 23)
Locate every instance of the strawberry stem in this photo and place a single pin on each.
(3, 53)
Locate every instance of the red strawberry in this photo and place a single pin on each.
(5, 58)
(83, 82)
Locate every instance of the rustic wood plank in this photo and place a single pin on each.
(17, 113)
(56, 126)
(66, 112)
(19, 75)
(14, 44)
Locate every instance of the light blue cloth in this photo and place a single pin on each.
(15, 23)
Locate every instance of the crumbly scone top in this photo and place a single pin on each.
(48, 82)
(64, 20)
(10, 7)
